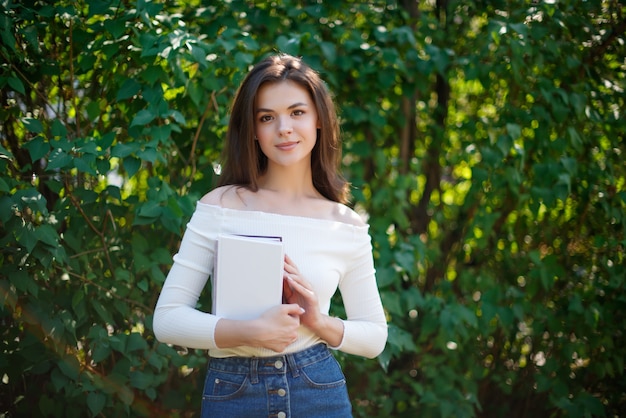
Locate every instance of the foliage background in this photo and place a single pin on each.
(484, 140)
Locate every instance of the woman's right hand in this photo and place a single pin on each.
(275, 329)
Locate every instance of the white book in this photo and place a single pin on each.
(248, 275)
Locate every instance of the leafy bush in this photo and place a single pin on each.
(483, 140)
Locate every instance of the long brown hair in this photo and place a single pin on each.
(243, 161)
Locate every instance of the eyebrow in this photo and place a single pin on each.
(298, 104)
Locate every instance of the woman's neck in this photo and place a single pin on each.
(288, 184)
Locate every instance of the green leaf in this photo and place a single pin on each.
(115, 27)
(150, 209)
(575, 138)
(37, 148)
(132, 165)
(31, 198)
(5, 153)
(58, 379)
(69, 366)
(102, 312)
(114, 192)
(156, 276)
(63, 144)
(329, 50)
(136, 342)
(88, 146)
(152, 74)
(78, 303)
(59, 159)
(504, 144)
(103, 166)
(123, 150)
(86, 165)
(106, 140)
(16, 84)
(149, 154)
(514, 130)
(198, 53)
(143, 117)
(243, 59)
(401, 339)
(288, 45)
(93, 110)
(406, 260)
(143, 285)
(47, 235)
(4, 188)
(33, 125)
(178, 117)
(7, 38)
(95, 402)
(197, 93)
(141, 380)
(23, 282)
(129, 89)
(58, 129)
(100, 352)
(570, 164)
(27, 237)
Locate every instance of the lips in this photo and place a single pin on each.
(287, 146)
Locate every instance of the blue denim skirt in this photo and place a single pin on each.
(305, 384)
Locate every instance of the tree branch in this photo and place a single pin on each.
(99, 233)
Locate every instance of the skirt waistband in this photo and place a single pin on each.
(254, 366)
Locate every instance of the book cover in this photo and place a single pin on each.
(248, 275)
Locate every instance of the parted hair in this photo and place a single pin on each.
(243, 161)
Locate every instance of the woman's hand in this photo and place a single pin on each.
(278, 327)
(275, 329)
(298, 290)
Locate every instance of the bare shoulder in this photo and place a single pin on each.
(343, 213)
(224, 196)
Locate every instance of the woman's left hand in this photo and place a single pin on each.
(296, 289)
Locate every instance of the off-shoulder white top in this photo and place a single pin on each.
(329, 254)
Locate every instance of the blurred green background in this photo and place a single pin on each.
(484, 141)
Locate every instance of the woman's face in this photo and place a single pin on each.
(285, 123)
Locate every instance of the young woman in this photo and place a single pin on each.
(279, 177)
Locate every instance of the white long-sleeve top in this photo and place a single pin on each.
(329, 254)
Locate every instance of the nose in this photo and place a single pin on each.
(285, 127)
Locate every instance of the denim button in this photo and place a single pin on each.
(278, 364)
(282, 392)
(281, 414)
